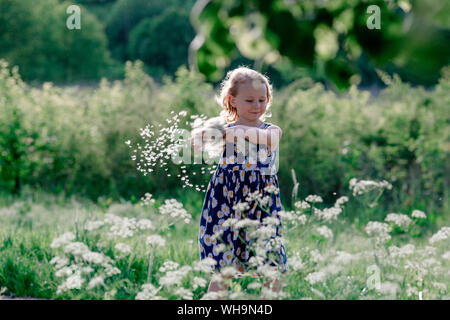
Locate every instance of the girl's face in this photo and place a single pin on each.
(251, 101)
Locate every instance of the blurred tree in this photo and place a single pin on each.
(34, 36)
(126, 14)
(328, 37)
(162, 42)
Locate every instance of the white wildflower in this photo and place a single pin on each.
(156, 240)
(174, 277)
(123, 248)
(75, 281)
(148, 292)
(205, 265)
(120, 227)
(271, 221)
(402, 252)
(253, 196)
(272, 189)
(254, 285)
(316, 277)
(389, 289)
(325, 232)
(419, 214)
(446, 255)
(76, 248)
(169, 266)
(339, 202)
(442, 234)
(401, 220)
(302, 218)
(374, 228)
(214, 295)
(230, 222)
(93, 257)
(296, 263)
(93, 225)
(64, 272)
(269, 272)
(343, 258)
(145, 224)
(365, 186)
(86, 270)
(59, 262)
(313, 198)
(198, 282)
(62, 240)
(96, 281)
(302, 205)
(241, 206)
(147, 199)
(316, 256)
(327, 214)
(244, 223)
(229, 271)
(111, 271)
(263, 232)
(174, 209)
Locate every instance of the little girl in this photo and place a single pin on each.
(245, 95)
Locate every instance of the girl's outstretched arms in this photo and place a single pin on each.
(270, 136)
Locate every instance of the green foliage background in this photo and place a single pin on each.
(72, 140)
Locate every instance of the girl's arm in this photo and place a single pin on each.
(270, 136)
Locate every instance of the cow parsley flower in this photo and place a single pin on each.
(156, 240)
(325, 232)
(316, 277)
(419, 214)
(62, 240)
(401, 220)
(365, 186)
(198, 282)
(442, 234)
(123, 248)
(313, 198)
(169, 266)
(95, 282)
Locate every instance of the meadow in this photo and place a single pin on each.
(58, 249)
(366, 203)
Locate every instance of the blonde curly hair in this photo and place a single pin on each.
(229, 86)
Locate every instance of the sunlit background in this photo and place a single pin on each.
(353, 101)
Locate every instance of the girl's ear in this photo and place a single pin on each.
(232, 101)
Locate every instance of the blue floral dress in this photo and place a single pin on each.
(238, 174)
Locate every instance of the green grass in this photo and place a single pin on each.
(29, 224)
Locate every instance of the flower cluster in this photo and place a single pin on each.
(325, 232)
(441, 235)
(379, 231)
(78, 264)
(400, 220)
(365, 186)
(174, 209)
(147, 199)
